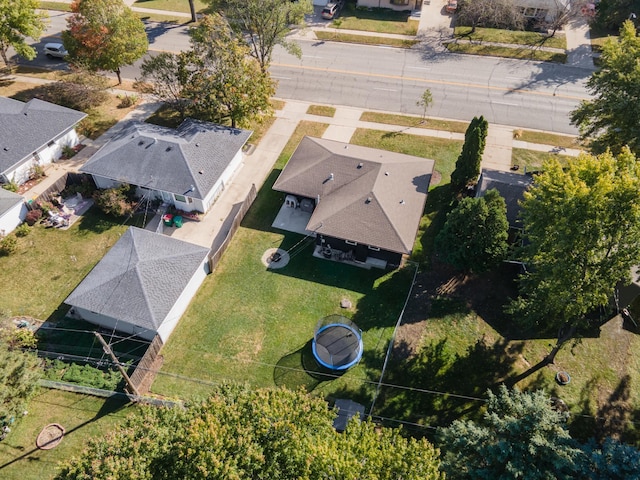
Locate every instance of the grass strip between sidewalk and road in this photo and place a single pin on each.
(531, 160)
(510, 36)
(321, 110)
(544, 138)
(364, 39)
(414, 122)
(506, 52)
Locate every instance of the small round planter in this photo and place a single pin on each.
(563, 378)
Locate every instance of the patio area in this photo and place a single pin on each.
(293, 220)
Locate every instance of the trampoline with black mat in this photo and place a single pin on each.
(337, 343)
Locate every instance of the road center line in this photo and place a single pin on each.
(428, 81)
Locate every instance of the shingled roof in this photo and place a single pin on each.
(27, 127)
(8, 200)
(140, 279)
(170, 160)
(511, 187)
(369, 196)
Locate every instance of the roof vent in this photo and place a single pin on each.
(368, 200)
(386, 174)
(360, 165)
(201, 172)
(197, 144)
(346, 146)
(331, 176)
(6, 149)
(141, 142)
(168, 149)
(402, 202)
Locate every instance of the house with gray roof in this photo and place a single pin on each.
(363, 204)
(142, 286)
(33, 134)
(511, 187)
(13, 211)
(188, 167)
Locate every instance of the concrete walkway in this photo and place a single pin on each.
(579, 53)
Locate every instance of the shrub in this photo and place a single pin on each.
(72, 95)
(127, 101)
(12, 186)
(114, 201)
(82, 374)
(8, 245)
(68, 151)
(46, 207)
(33, 216)
(22, 230)
(19, 338)
(36, 172)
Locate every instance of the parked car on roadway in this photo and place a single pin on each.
(330, 11)
(56, 50)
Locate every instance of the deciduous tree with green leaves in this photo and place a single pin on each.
(243, 433)
(520, 437)
(225, 82)
(582, 225)
(610, 119)
(104, 35)
(19, 374)
(474, 236)
(264, 23)
(468, 164)
(18, 20)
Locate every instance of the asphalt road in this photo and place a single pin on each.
(520, 93)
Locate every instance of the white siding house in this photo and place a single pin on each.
(13, 211)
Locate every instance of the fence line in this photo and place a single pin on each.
(215, 257)
(144, 373)
(68, 178)
(99, 392)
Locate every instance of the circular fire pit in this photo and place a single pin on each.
(50, 436)
(275, 258)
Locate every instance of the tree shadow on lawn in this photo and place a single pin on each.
(437, 386)
(299, 369)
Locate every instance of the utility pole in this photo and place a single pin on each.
(108, 351)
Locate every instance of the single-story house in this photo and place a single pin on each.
(511, 187)
(399, 5)
(13, 211)
(142, 286)
(188, 167)
(33, 134)
(363, 202)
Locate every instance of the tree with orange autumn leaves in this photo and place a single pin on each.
(104, 35)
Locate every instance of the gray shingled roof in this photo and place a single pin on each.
(374, 196)
(139, 280)
(8, 200)
(511, 187)
(171, 160)
(27, 127)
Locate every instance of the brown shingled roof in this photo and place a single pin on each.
(369, 196)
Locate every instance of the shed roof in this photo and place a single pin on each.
(139, 280)
(8, 200)
(366, 195)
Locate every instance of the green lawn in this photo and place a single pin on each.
(544, 138)
(511, 36)
(364, 40)
(413, 121)
(82, 417)
(379, 20)
(506, 52)
(530, 160)
(50, 263)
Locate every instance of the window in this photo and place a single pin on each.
(180, 198)
(349, 242)
(375, 249)
(399, 2)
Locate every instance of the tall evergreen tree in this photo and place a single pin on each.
(468, 163)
